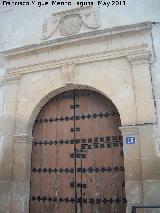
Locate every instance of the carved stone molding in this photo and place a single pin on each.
(68, 72)
(12, 78)
(70, 22)
(22, 138)
(139, 58)
(84, 37)
(77, 59)
(17, 56)
(129, 130)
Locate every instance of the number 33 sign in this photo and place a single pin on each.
(130, 140)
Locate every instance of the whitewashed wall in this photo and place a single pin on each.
(22, 25)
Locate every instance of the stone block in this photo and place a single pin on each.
(28, 152)
(7, 125)
(21, 172)
(5, 171)
(133, 170)
(148, 130)
(148, 147)
(6, 151)
(10, 99)
(124, 98)
(151, 169)
(20, 197)
(5, 196)
(22, 152)
(143, 88)
(145, 111)
(131, 151)
(151, 194)
(19, 152)
(134, 192)
(21, 122)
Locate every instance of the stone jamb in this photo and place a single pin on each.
(140, 66)
(25, 141)
(132, 131)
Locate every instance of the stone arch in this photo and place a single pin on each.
(23, 131)
(50, 95)
(29, 107)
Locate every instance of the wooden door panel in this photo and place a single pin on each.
(99, 190)
(52, 184)
(77, 157)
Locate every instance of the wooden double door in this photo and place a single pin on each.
(77, 156)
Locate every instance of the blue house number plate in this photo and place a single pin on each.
(130, 140)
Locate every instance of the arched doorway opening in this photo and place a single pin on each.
(77, 156)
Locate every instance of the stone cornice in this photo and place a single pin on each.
(129, 130)
(140, 58)
(83, 37)
(98, 56)
(22, 138)
(12, 78)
